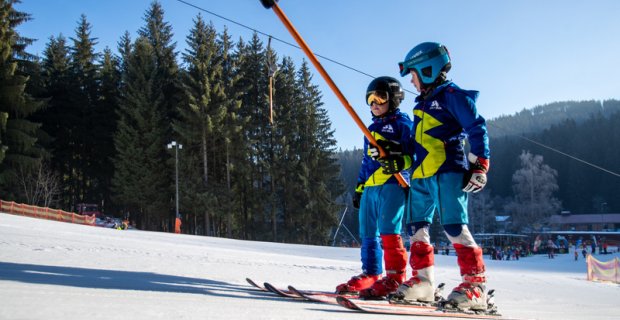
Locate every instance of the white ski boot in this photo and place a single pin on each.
(419, 288)
(469, 295)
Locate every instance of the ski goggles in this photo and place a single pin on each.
(377, 97)
(409, 64)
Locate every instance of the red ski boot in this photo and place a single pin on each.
(380, 289)
(357, 283)
(395, 257)
(470, 294)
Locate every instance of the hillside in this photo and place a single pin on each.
(543, 117)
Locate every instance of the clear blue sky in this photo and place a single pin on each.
(518, 54)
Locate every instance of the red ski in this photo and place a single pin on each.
(325, 296)
(268, 287)
(331, 298)
(420, 312)
(256, 285)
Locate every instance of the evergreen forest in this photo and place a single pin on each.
(81, 126)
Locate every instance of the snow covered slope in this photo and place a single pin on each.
(55, 270)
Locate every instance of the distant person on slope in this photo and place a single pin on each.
(443, 176)
(379, 197)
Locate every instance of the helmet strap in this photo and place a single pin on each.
(428, 89)
(391, 107)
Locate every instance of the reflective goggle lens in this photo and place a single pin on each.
(377, 97)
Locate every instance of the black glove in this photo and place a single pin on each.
(357, 195)
(392, 164)
(389, 146)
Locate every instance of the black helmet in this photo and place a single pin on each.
(387, 87)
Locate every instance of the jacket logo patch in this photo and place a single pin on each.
(435, 105)
(387, 128)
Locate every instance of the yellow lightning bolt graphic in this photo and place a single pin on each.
(436, 150)
(378, 177)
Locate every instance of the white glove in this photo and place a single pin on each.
(476, 178)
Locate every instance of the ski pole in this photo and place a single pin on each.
(272, 4)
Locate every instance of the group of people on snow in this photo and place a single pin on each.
(507, 253)
(428, 152)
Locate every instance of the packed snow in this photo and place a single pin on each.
(56, 270)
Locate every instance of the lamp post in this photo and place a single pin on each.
(176, 147)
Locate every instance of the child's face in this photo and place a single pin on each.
(416, 81)
(379, 109)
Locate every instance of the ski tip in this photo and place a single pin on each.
(295, 291)
(269, 287)
(251, 282)
(345, 302)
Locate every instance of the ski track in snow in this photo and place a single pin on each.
(55, 270)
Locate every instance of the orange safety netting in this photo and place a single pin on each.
(603, 271)
(44, 213)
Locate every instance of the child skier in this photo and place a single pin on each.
(444, 115)
(379, 197)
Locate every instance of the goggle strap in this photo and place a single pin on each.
(434, 53)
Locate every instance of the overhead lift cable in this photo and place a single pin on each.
(371, 76)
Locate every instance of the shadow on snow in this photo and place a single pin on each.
(122, 280)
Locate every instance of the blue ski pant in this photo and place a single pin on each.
(381, 212)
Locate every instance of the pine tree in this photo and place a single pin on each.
(124, 49)
(235, 145)
(18, 135)
(320, 170)
(253, 87)
(59, 118)
(104, 125)
(285, 158)
(141, 176)
(85, 89)
(201, 118)
(273, 162)
(159, 34)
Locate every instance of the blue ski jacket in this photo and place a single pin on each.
(442, 121)
(396, 126)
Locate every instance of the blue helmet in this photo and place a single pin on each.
(428, 59)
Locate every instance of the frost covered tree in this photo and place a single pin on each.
(481, 214)
(533, 186)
